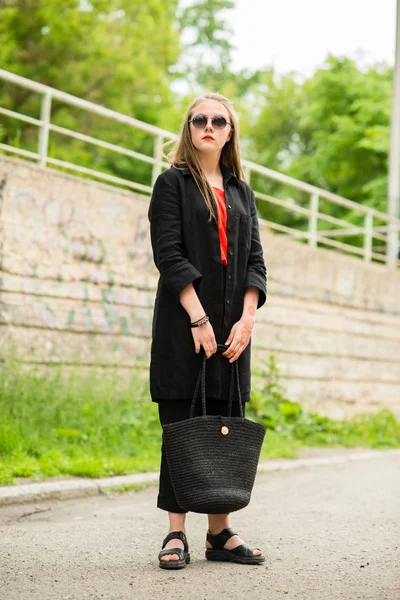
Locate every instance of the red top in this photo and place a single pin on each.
(222, 216)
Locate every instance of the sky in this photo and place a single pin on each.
(298, 34)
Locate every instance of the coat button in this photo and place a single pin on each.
(229, 206)
(228, 301)
(229, 276)
(224, 430)
(230, 252)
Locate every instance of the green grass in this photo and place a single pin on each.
(88, 426)
(137, 487)
(97, 425)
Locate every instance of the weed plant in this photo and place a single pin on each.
(290, 427)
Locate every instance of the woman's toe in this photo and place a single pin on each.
(169, 557)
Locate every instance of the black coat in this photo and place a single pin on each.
(186, 249)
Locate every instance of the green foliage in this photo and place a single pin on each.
(117, 54)
(269, 404)
(348, 115)
(124, 55)
(331, 130)
(208, 28)
(113, 53)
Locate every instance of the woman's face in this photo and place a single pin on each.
(208, 139)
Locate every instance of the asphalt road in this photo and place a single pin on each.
(329, 532)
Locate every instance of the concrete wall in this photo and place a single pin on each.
(78, 284)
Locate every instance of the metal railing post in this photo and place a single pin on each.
(392, 248)
(158, 153)
(368, 225)
(247, 173)
(43, 144)
(313, 220)
(392, 245)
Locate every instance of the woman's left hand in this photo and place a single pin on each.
(239, 338)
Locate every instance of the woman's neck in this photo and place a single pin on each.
(210, 165)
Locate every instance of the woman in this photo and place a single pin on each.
(206, 246)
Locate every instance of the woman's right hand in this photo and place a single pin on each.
(204, 336)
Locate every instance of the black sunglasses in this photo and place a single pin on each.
(218, 122)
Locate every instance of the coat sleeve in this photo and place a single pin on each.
(167, 237)
(256, 274)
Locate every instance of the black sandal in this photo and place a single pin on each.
(241, 554)
(184, 556)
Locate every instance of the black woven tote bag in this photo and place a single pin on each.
(213, 459)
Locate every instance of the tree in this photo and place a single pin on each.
(206, 40)
(331, 130)
(123, 54)
(113, 53)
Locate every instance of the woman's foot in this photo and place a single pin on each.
(175, 541)
(172, 544)
(234, 542)
(227, 546)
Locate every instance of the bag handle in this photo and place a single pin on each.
(201, 381)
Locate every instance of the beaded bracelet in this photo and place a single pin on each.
(200, 322)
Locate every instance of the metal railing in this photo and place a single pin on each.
(375, 224)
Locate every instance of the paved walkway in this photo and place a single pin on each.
(329, 531)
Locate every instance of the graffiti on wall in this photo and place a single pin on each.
(83, 268)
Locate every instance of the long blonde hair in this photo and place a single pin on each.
(184, 151)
